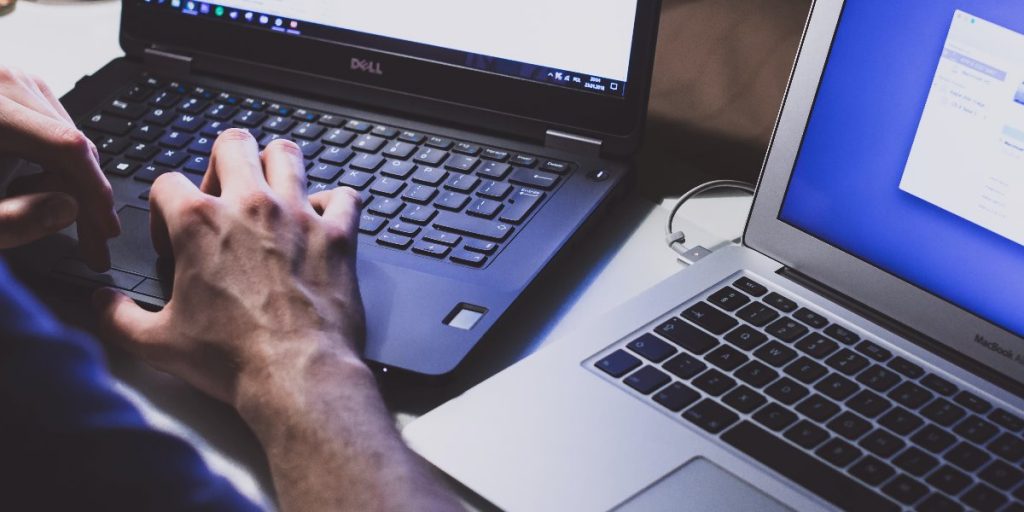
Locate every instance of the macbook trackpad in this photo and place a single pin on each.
(700, 485)
(133, 251)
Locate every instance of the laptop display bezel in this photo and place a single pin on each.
(933, 318)
(622, 117)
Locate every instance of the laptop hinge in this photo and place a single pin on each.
(167, 64)
(574, 143)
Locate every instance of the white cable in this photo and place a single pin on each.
(677, 239)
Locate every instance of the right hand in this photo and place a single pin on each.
(35, 127)
(265, 281)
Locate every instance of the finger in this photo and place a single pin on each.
(51, 98)
(339, 207)
(169, 194)
(24, 89)
(123, 322)
(284, 168)
(65, 151)
(36, 183)
(235, 167)
(25, 219)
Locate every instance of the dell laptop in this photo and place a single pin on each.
(482, 136)
(862, 350)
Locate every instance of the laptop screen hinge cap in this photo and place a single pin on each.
(574, 143)
(167, 64)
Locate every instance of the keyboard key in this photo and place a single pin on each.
(984, 498)
(366, 162)
(775, 354)
(171, 158)
(278, 124)
(949, 480)
(494, 170)
(324, 172)
(439, 142)
(142, 151)
(911, 395)
(757, 314)
(176, 140)
(420, 214)
(849, 425)
(461, 163)
(943, 412)
(818, 408)
(189, 123)
(618, 363)
(652, 348)
(404, 228)
(710, 416)
(149, 173)
(872, 471)
(358, 126)
(467, 149)
(787, 330)
(430, 176)
(412, 137)
(810, 318)
(806, 370)
(939, 503)
(384, 131)
(110, 124)
(310, 149)
(973, 402)
(647, 379)
(837, 387)
(786, 391)
(386, 206)
(527, 161)
(839, 452)
(160, 117)
(746, 338)
(481, 246)
(476, 228)
(356, 179)
(125, 109)
(676, 397)
(775, 417)
(729, 299)
(878, 378)
(553, 166)
(882, 443)
(933, 439)
(939, 385)
(906, 368)
(685, 366)
(915, 461)
(421, 194)
(535, 179)
(976, 430)
(400, 150)
(709, 318)
(1008, 447)
(714, 382)
(339, 137)
(430, 156)
(147, 133)
(394, 241)
(305, 115)
(470, 258)
(874, 351)
(781, 303)
(453, 201)
(807, 434)
(387, 186)
(462, 183)
(726, 358)
(495, 190)
(398, 169)
(750, 287)
(1001, 475)
(744, 399)
(817, 346)
(495, 154)
(756, 374)
(687, 336)
(805, 470)
(121, 167)
(371, 224)
(197, 165)
(112, 145)
(868, 403)
(1006, 420)
(901, 421)
(905, 490)
(520, 205)
(847, 362)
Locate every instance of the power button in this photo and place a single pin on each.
(599, 175)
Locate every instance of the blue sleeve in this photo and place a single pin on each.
(69, 441)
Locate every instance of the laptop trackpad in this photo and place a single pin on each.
(700, 485)
(133, 250)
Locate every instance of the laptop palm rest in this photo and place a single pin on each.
(700, 485)
(133, 250)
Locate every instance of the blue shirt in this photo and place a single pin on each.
(69, 441)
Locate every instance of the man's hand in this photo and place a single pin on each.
(266, 315)
(34, 126)
(262, 279)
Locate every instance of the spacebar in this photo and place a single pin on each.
(807, 471)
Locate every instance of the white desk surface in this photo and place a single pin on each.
(64, 40)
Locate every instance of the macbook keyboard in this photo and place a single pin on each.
(433, 196)
(840, 415)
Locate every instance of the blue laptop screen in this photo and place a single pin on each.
(913, 159)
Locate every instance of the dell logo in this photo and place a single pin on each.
(367, 66)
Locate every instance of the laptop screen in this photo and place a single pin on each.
(913, 158)
(577, 44)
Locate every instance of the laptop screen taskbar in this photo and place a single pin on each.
(297, 28)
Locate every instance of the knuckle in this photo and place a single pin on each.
(351, 195)
(197, 210)
(284, 146)
(72, 140)
(259, 203)
(6, 74)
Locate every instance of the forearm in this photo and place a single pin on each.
(330, 441)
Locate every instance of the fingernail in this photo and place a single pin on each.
(59, 213)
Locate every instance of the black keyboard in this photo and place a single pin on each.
(433, 196)
(842, 416)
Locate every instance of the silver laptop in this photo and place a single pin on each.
(862, 350)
